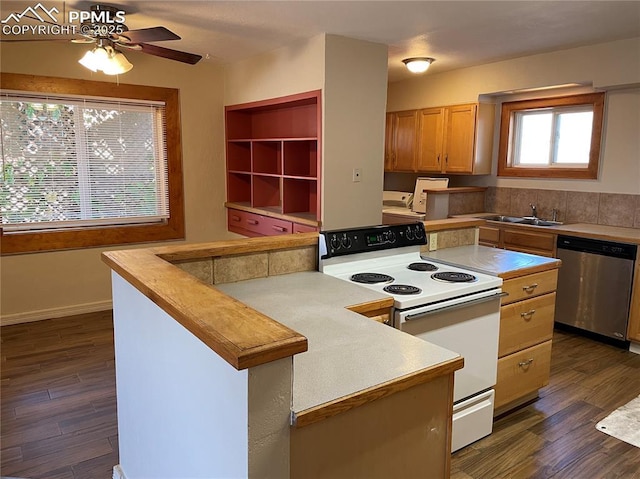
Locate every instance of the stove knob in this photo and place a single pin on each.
(409, 234)
(419, 233)
(392, 237)
(334, 242)
(346, 242)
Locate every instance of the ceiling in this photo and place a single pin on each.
(456, 33)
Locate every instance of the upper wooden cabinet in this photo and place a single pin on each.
(430, 139)
(402, 134)
(451, 139)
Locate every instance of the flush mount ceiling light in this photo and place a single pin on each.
(106, 59)
(418, 64)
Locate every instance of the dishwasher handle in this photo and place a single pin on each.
(604, 248)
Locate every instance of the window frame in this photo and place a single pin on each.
(95, 236)
(508, 134)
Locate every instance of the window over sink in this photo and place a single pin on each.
(551, 137)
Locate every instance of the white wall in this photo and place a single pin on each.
(614, 67)
(353, 129)
(182, 409)
(292, 69)
(352, 75)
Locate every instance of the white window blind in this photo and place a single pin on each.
(69, 162)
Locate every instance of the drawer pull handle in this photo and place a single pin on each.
(252, 222)
(528, 314)
(235, 218)
(526, 363)
(279, 228)
(529, 288)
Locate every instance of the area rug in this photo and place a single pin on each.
(623, 423)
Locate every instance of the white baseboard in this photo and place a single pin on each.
(118, 473)
(39, 315)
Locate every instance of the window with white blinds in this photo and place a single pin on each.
(70, 161)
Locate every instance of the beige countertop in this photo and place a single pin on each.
(349, 355)
(342, 359)
(610, 233)
(499, 262)
(584, 230)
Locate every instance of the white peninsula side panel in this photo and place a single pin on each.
(183, 411)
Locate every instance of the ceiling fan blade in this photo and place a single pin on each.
(184, 57)
(143, 35)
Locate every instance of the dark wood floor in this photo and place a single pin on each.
(555, 436)
(58, 399)
(59, 410)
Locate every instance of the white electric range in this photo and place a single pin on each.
(447, 306)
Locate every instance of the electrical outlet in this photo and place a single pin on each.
(357, 174)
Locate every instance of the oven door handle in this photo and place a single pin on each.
(464, 304)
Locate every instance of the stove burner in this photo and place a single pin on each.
(453, 277)
(371, 278)
(422, 267)
(402, 289)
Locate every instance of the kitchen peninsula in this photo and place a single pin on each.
(239, 359)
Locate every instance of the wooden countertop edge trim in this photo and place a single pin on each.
(273, 214)
(433, 226)
(340, 405)
(370, 306)
(165, 285)
(235, 246)
(456, 189)
(516, 273)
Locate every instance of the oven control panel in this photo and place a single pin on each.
(372, 238)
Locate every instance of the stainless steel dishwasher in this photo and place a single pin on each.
(594, 285)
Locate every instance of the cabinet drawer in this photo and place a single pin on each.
(530, 286)
(300, 228)
(526, 323)
(256, 225)
(522, 373)
(273, 226)
(527, 241)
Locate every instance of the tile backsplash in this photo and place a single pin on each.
(610, 209)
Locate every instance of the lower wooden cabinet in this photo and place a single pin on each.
(522, 374)
(518, 238)
(526, 331)
(253, 224)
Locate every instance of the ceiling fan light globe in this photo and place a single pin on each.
(117, 65)
(101, 54)
(89, 61)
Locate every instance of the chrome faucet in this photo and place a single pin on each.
(554, 214)
(534, 210)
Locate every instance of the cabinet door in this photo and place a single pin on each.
(431, 123)
(405, 140)
(489, 236)
(389, 144)
(460, 138)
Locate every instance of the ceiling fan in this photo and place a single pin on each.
(106, 29)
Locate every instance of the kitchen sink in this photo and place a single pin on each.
(524, 220)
